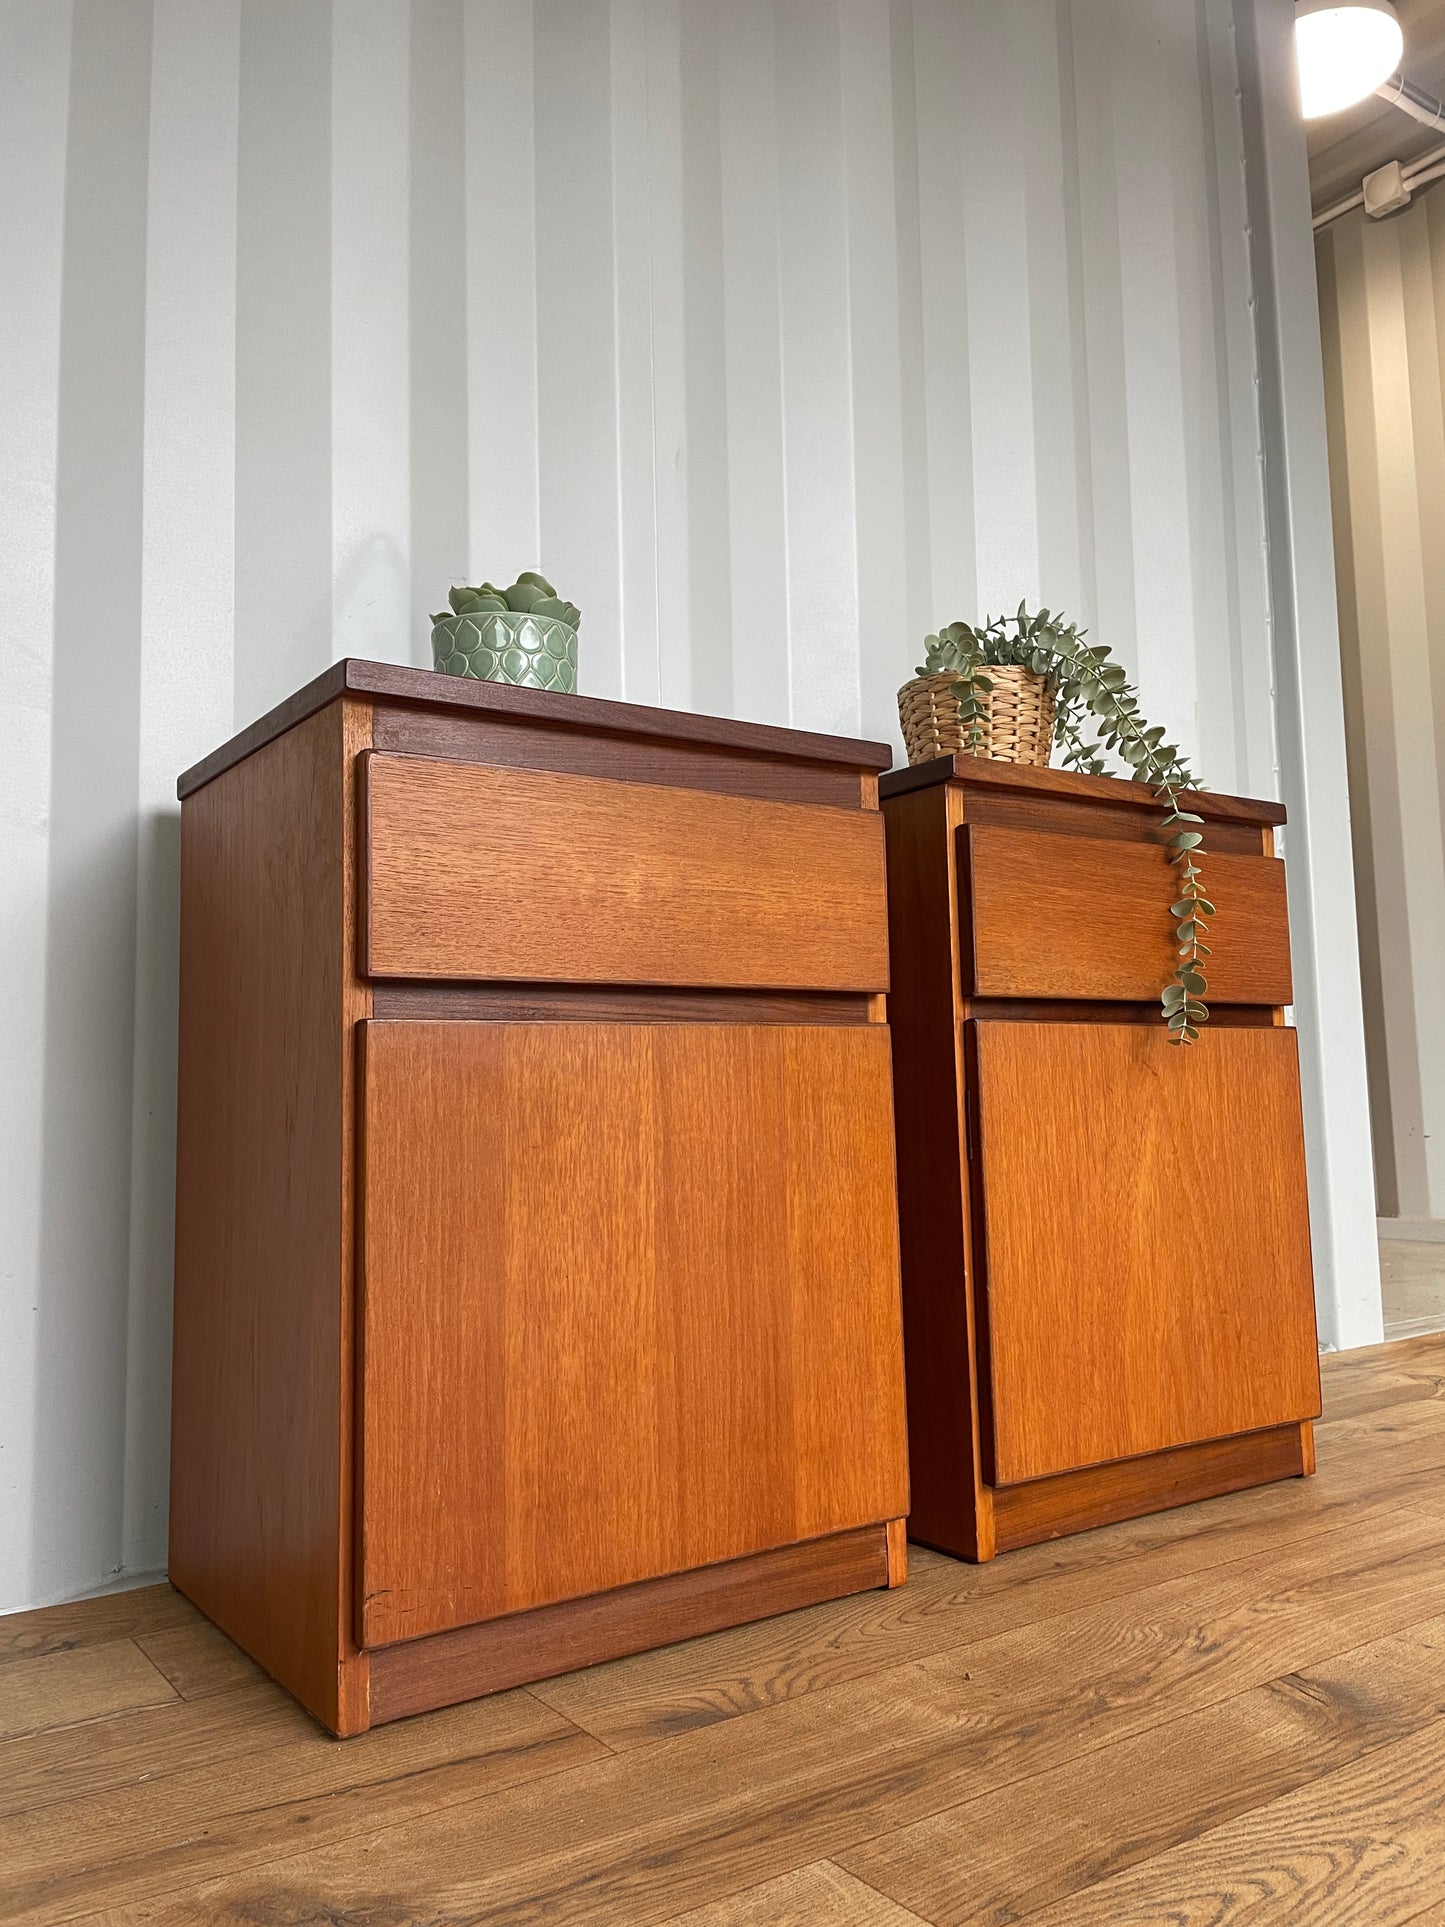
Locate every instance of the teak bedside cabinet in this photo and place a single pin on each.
(1107, 1292)
(537, 1291)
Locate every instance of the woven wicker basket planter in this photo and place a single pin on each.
(1019, 727)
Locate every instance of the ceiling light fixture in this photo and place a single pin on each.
(1344, 51)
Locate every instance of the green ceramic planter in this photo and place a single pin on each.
(539, 652)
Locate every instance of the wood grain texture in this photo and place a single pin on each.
(1110, 1331)
(923, 1012)
(705, 1814)
(1099, 1495)
(1013, 1852)
(603, 717)
(1107, 818)
(57, 1689)
(1090, 919)
(427, 690)
(353, 1667)
(897, 1552)
(979, 773)
(267, 1328)
(683, 1238)
(1072, 1010)
(260, 1495)
(661, 1004)
(522, 874)
(985, 1743)
(177, 1808)
(983, 867)
(948, 1605)
(198, 1659)
(534, 1646)
(89, 1622)
(818, 1896)
(534, 743)
(131, 1746)
(1366, 1845)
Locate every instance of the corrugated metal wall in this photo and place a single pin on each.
(777, 331)
(1382, 304)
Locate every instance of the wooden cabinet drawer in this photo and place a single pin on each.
(1070, 916)
(1146, 1241)
(475, 872)
(629, 1306)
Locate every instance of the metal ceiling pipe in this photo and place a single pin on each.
(1337, 208)
(1412, 100)
(1420, 106)
(1425, 168)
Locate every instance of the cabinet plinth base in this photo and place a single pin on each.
(1101, 1495)
(442, 1669)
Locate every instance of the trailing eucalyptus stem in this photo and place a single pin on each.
(1087, 682)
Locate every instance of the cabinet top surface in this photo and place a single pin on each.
(591, 715)
(980, 772)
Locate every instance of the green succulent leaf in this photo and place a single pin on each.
(530, 594)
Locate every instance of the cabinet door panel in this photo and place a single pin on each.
(1145, 1241)
(630, 1306)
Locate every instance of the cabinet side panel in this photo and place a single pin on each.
(922, 1015)
(257, 1499)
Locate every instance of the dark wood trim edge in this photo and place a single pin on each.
(981, 772)
(445, 1668)
(300, 704)
(451, 1000)
(1100, 1495)
(595, 714)
(1099, 1010)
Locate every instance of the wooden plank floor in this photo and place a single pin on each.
(1231, 1713)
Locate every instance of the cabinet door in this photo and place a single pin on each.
(629, 1306)
(1144, 1241)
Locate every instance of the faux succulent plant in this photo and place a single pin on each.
(530, 595)
(1086, 682)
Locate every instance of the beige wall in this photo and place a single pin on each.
(1382, 309)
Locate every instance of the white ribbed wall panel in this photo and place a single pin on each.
(1382, 301)
(776, 331)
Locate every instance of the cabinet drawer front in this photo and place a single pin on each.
(1066, 916)
(525, 875)
(1145, 1251)
(629, 1306)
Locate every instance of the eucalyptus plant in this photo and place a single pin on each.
(531, 594)
(1087, 683)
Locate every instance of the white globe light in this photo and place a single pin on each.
(1344, 51)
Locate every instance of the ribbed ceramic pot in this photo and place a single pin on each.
(539, 652)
